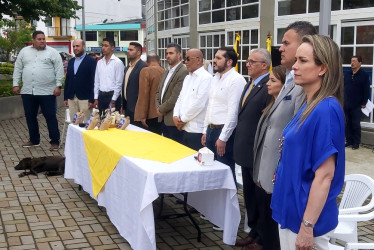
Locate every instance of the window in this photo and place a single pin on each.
(292, 7)
(183, 41)
(90, 35)
(356, 4)
(150, 22)
(217, 11)
(209, 44)
(172, 14)
(129, 35)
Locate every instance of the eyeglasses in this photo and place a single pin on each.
(253, 62)
(187, 59)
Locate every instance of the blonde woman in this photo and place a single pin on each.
(310, 174)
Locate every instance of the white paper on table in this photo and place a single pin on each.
(369, 107)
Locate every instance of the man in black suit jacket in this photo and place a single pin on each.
(253, 100)
(79, 82)
(130, 88)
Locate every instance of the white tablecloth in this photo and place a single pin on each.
(136, 183)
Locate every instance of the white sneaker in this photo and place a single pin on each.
(203, 217)
(217, 228)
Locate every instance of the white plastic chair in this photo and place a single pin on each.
(66, 123)
(352, 246)
(357, 189)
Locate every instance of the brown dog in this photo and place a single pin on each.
(51, 165)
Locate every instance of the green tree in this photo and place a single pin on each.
(37, 9)
(14, 37)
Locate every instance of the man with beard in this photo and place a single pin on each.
(223, 105)
(40, 69)
(79, 83)
(130, 88)
(168, 91)
(108, 78)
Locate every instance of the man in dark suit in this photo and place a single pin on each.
(79, 82)
(168, 91)
(253, 100)
(356, 95)
(130, 88)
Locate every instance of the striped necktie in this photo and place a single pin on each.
(248, 92)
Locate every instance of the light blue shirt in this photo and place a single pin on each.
(41, 71)
(77, 62)
(255, 82)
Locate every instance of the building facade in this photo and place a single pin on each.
(210, 24)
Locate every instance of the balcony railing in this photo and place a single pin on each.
(59, 31)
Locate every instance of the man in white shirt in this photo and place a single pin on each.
(222, 113)
(168, 91)
(190, 108)
(108, 78)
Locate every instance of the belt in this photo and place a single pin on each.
(212, 126)
(102, 93)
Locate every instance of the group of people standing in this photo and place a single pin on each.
(285, 129)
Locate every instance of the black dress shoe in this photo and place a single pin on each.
(347, 144)
(243, 242)
(355, 146)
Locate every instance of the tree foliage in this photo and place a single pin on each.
(37, 9)
(14, 37)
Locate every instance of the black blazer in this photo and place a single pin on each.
(132, 89)
(248, 118)
(82, 83)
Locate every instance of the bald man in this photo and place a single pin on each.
(145, 110)
(190, 108)
(79, 83)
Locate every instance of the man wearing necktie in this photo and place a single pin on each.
(253, 100)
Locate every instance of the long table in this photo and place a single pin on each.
(135, 183)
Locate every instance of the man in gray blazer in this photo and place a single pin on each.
(168, 91)
(285, 107)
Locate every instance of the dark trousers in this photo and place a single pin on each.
(353, 127)
(192, 140)
(249, 198)
(153, 125)
(104, 101)
(131, 115)
(172, 132)
(48, 105)
(212, 136)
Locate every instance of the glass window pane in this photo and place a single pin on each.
(233, 14)
(254, 36)
(250, 1)
(365, 34)
(202, 41)
(244, 68)
(230, 3)
(184, 10)
(204, 18)
(185, 21)
(209, 41)
(184, 1)
(245, 37)
(230, 38)
(366, 53)
(280, 35)
(175, 12)
(222, 40)
(204, 5)
(347, 53)
(313, 6)
(355, 4)
(218, 4)
(161, 26)
(167, 4)
(335, 4)
(175, 2)
(161, 5)
(250, 11)
(347, 35)
(209, 55)
(218, 16)
(216, 41)
(245, 52)
(291, 7)
(175, 23)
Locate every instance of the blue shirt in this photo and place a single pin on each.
(77, 62)
(304, 149)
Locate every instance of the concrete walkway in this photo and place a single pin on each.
(39, 212)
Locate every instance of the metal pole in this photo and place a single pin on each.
(83, 23)
(324, 17)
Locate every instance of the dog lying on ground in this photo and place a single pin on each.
(51, 165)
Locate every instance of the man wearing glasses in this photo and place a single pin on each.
(253, 100)
(190, 109)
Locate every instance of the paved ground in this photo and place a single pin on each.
(39, 212)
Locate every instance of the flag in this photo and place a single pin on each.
(268, 47)
(236, 45)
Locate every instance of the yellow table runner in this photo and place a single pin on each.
(105, 148)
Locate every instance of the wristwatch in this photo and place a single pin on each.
(308, 224)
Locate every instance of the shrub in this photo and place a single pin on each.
(6, 70)
(8, 65)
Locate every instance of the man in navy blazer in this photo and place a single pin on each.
(79, 83)
(130, 87)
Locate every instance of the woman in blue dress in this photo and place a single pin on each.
(310, 174)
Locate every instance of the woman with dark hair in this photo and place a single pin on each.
(310, 174)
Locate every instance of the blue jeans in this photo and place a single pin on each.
(212, 136)
(192, 140)
(48, 105)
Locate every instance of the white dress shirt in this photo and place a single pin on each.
(170, 73)
(223, 105)
(109, 76)
(192, 101)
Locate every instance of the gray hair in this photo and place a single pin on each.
(266, 56)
